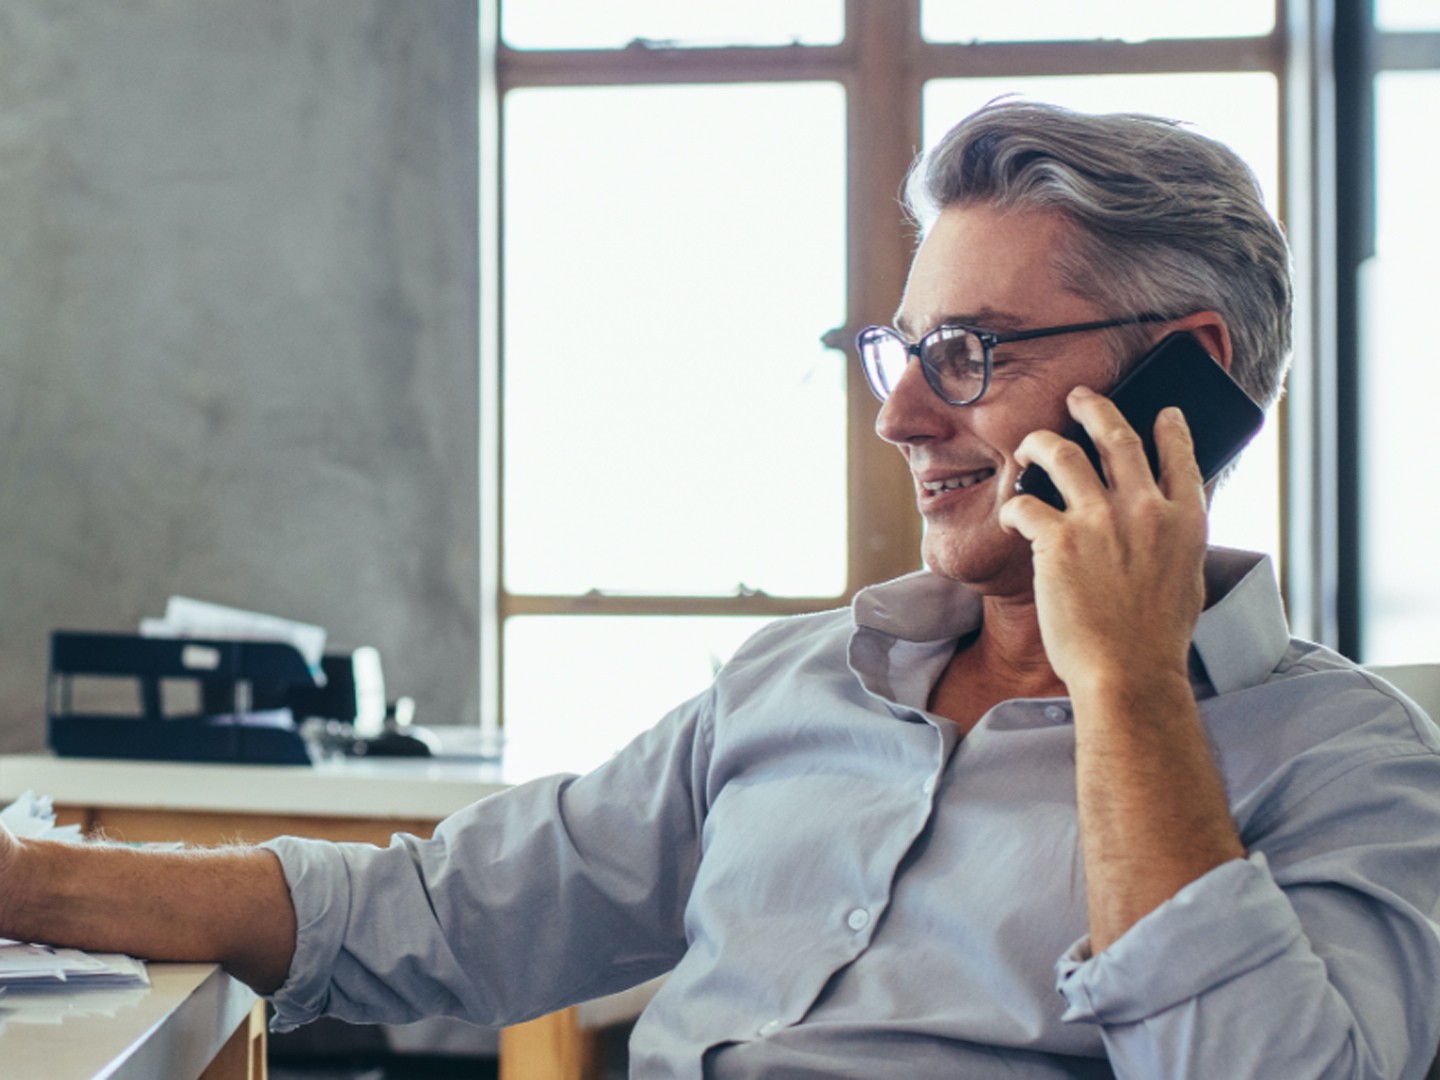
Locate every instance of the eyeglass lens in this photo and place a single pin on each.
(954, 360)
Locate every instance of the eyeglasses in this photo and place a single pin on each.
(957, 360)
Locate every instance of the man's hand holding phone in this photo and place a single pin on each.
(1118, 574)
(1135, 464)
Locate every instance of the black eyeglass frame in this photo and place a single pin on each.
(988, 340)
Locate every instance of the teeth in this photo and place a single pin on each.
(958, 481)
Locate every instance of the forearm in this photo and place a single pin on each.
(230, 905)
(1152, 807)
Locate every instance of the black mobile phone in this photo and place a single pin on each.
(1178, 371)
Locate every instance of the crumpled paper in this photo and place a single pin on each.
(33, 818)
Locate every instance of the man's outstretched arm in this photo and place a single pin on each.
(229, 905)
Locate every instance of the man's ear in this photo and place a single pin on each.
(1210, 330)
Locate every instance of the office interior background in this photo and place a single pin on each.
(491, 335)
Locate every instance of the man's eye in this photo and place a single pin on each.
(954, 357)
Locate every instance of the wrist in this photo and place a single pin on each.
(16, 875)
(1108, 691)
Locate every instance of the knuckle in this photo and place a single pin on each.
(1124, 438)
(1152, 513)
(1068, 452)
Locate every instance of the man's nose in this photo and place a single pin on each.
(913, 410)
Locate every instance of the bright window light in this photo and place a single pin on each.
(672, 423)
(1400, 579)
(632, 670)
(1404, 15)
(1067, 20)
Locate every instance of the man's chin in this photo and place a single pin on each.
(1003, 568)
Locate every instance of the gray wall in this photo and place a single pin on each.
(238, 327)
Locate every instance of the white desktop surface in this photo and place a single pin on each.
(173, 1030)
(349, 788)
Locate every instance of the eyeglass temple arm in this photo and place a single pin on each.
(1075, 328)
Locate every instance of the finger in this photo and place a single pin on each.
(1179, 471)
(1065, 461)
(1122, 451)
(1027, 515)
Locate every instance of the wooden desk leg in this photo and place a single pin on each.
(243, 1055)
(550, 1048)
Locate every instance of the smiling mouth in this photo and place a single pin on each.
(935, 487)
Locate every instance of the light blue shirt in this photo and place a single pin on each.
(845, 888)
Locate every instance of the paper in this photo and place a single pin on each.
(34, 818)
(186, 618)
(41, 968)
(37, 967)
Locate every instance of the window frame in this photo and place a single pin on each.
(883, 65)
(1361, 52)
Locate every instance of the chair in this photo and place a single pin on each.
(1419, 682)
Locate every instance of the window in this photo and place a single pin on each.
(674, 430)
(688, 201)
(1399, 373)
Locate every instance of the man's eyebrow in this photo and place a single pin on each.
(985, 318)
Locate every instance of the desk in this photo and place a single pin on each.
(194, 1020)
(364, 801)
(348, 800)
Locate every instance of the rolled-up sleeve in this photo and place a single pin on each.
(1232, 920)
(553, 892)
(319, 889)
(1318, 960)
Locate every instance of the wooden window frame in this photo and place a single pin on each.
(883, 65)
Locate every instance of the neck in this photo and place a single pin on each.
(1011, 634)
(1010, 648)
(1005, 659)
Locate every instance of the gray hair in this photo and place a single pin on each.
(1168, 220)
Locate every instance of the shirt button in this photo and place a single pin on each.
(1054, 712)
(769, 1028)
(929, 786)
(859, 919)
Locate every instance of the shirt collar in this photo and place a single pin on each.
(1239, 639)
(1242, 635)
(921, 606)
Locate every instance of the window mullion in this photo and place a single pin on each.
(661, 66)
(884, 135)
(1038, 58)
(1418, 51)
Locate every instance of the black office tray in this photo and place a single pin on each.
(229, 674)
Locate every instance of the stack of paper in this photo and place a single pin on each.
(39, 967)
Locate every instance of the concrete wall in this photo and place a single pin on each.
(238, 327)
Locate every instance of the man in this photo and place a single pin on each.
(1076, 746)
